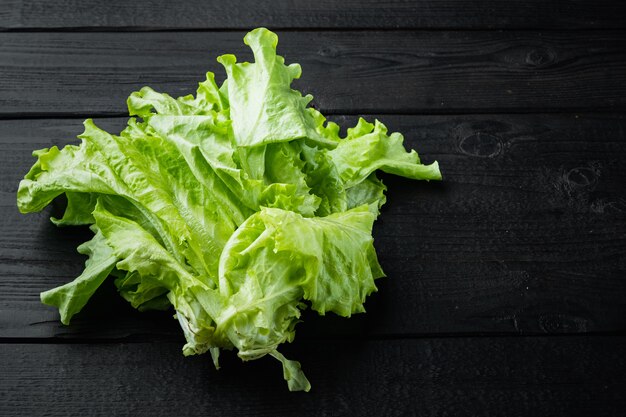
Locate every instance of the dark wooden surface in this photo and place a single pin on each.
(544, 376)
(506, 287)
(320, 14)
(372, 71)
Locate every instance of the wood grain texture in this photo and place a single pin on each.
(347, 72)
(247, 14)
(526, 234)
(547, 376)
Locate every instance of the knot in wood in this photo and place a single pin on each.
(481, 144)
(581, 177)
(540, 57)
(328, 51)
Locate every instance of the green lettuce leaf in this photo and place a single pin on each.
(263, 107)
(237, 207)
(368, 148)
(73, 296)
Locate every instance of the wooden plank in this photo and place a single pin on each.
(348, 72)
(323, 14)
(526, 234)
(548, 376)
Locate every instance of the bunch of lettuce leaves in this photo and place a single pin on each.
(238, 207)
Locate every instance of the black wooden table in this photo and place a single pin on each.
(506, 288)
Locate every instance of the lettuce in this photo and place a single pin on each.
(239, 207)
